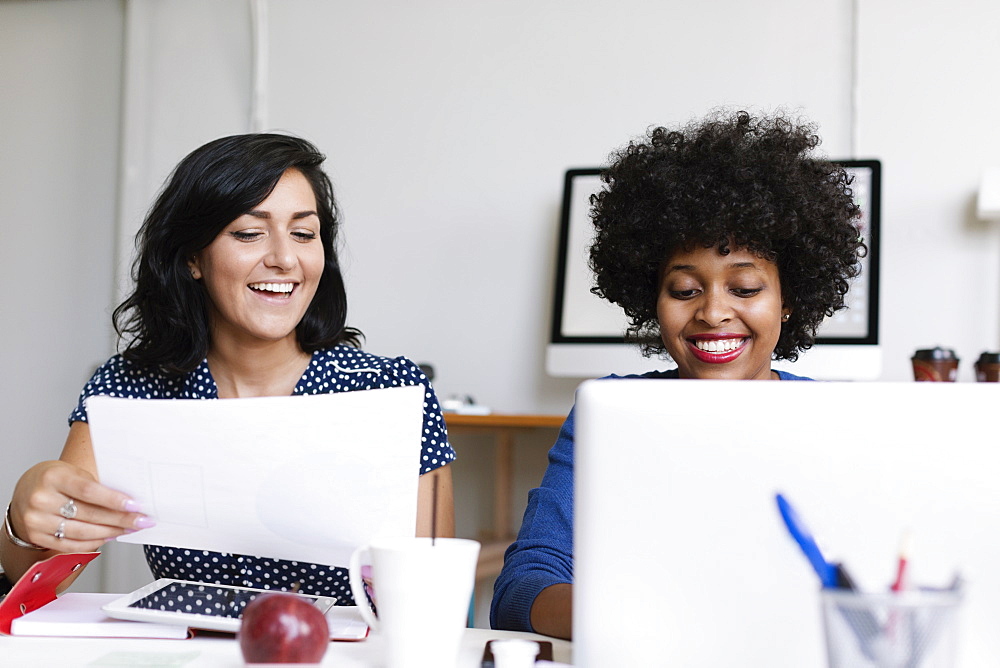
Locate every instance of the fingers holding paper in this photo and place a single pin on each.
(60, 506)
(41, 520)
(108, 507)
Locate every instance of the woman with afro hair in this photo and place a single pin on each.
(726, 243)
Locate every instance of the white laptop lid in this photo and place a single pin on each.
(681, 556)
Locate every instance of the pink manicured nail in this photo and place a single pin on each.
(144, 522)
(131, 506)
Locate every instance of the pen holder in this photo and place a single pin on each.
(912, 629)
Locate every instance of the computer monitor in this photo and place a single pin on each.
(587, 335)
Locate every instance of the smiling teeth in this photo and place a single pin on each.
(718, 345)
(273, 287)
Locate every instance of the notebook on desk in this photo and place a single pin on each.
(681, 555)
(80, 615)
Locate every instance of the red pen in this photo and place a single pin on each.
(904, 557)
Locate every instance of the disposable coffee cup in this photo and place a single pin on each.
(988, 368)
(935, 364)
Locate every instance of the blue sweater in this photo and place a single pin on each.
(542, 555)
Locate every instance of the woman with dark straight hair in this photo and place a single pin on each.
(238, 293)
(166, 314)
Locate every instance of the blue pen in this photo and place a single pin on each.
(833, 576)
(829, 574)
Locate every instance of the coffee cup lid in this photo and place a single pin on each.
(989, 358)
(936, 353)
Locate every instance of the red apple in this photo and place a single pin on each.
(283, 628)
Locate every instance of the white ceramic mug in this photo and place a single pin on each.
(422, 595)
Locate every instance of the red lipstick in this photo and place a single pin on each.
(716, 358)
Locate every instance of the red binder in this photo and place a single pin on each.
(38, 585)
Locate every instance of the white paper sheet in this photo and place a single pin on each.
(305, 478)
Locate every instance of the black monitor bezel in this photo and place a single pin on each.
(872, 243)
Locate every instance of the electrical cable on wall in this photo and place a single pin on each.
(854, 93)
(259, 60)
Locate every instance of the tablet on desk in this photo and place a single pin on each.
(215, 607)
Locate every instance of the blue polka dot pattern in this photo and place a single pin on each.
(337, 369)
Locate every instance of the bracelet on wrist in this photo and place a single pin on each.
(14, 539)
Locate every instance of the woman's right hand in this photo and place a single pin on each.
(41, 512)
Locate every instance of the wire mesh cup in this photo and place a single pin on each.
(912, 629)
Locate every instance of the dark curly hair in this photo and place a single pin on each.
(731, 181)
(164, 321)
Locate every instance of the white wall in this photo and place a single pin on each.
(60, 69)
(448, 125)
(186, 81)
(929, 106)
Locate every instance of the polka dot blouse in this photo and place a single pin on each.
(337, 369)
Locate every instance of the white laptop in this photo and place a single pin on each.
(681, 555)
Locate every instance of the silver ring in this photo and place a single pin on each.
(61, 531)
(68, 509)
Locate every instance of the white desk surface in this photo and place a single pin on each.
(217, 651)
